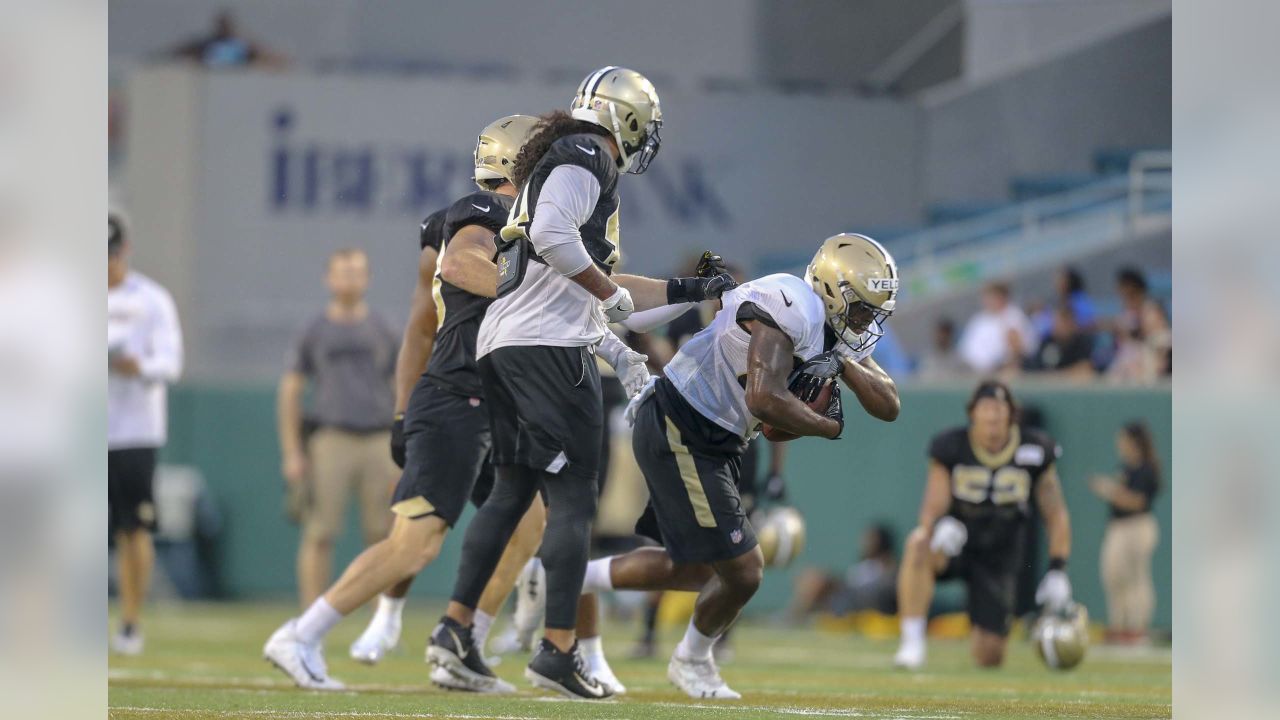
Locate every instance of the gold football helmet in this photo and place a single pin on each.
(497, 147)
(625, 103)
(857, 280)
(1062, 637)
(781, 536)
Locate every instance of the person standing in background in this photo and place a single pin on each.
(348, 353)
(144, 355)
(1131, 536)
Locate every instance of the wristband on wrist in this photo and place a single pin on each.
(1058, 563)
(681, 290)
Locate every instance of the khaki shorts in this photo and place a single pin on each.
(341, 463)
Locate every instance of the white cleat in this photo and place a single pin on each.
(303, 663)
(375, 642)
(700, 679)
(910, 656)
(531, 602)
(130, 644)
(598, 668)
(441, 677)
(508, 641)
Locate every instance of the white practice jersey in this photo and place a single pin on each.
(141, 323)
(710, 370)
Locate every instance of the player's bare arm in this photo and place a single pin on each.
(289, 425)
(1053, 508)
(467, 261)
(937, 496)
(769, 361)
(877, 392)
(419, 331)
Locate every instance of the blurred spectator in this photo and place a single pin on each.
(144, 355)
(226, 47)
(348, 353)
(868, 584)
(1132, 534)
(1068, 350)
(941, 362)
(999, 336)
(1069, 291)
(1142, 335)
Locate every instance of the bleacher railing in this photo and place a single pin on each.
(1039, 232)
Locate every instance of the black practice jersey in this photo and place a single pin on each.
(600, 233)
(431, 233)
(453, 361)
(992, 493)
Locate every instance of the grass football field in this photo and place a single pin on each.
(204, 661)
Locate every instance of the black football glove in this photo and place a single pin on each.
(697, 289)
(835, 410)
(710, 265)
(397, 440)
(775, 488)
(711, 280)
(807, 380)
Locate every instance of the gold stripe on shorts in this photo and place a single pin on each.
(689, 474)
(413, 507)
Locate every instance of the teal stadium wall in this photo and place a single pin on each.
(876, 472)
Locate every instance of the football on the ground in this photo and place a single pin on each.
(818, 405)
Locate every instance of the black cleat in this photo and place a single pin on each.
(564, 672)
(451, 649)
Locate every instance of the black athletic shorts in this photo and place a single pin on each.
(130, 474)
(447, 445)
(692, 467)
(991, 577)
(545, 408)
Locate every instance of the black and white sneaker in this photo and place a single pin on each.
(564, 672)
(452, 650)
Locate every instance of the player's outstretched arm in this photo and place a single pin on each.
(768, 365)
(419, 332)
(877, 392)
(467, 261)
(1053, 508)
(937, 496)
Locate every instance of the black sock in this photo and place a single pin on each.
(513, 489)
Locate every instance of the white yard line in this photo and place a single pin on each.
(178, 712)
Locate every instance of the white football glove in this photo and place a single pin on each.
(634, 406)
(949, 536)
(618, 306)
(1055, 590)
(634, 374)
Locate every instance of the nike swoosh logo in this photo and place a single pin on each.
(591, 685)
(784, 298)
(592, 151)
(457, 643)
(481, 209)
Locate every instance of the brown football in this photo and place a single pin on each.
(819, 405)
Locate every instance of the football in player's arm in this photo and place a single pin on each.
(981, 479)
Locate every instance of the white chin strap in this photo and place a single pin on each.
(588, 115)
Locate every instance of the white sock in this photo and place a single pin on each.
(389, 610)
(913, 629)
(597, 578)
(480, 625)
(695, 645)
(591, 647)
(317, 621)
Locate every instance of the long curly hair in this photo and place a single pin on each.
(550, 128)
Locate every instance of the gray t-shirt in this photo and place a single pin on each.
(351, 367)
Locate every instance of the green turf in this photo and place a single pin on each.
(204, 661)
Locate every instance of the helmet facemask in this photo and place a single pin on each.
(861, 324)
(648, 150)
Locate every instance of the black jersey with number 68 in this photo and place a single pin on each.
(991, 493)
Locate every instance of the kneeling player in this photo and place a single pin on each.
(972, 523)
(692, 426)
